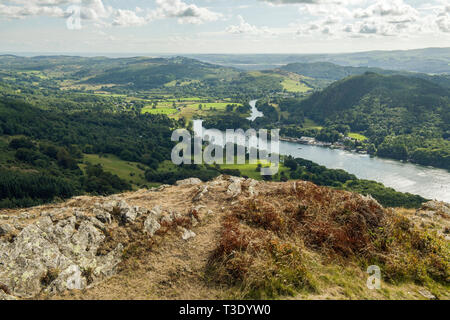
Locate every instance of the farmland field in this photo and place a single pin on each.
(357, 136)
(126, 170)
(295, 86)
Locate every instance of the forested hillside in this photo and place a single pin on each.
(404, 118)
(333, 72)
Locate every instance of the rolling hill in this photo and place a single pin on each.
(332, 72)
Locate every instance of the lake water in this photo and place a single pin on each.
(430, 183)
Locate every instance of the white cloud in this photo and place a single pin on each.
(245, 28)
(185, 13)
(127, 18)
(380, 19)
(443, 19)
(96, 11)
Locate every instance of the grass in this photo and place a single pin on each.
(188, 110)
(295, 86)
(128, 171)
(249, 170)
(158, 110)
(357, 136)
(310, 124)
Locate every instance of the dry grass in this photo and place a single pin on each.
(264, 240)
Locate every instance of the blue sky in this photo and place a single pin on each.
(222, 26)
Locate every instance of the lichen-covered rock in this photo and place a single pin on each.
(69, 279)
(151, 225)
(235, 187)
(190, 181)
(51, 256)
(432, 208)
(25, 262)
(6, 228)
(5, 297)
(103, 216)
(200, 194)
(251, 183)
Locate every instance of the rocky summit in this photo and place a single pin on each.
(227, 238)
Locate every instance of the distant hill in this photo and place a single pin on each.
(414, 94)
(332, 72)
(429, 60)
(152, 73)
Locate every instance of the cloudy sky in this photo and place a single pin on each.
(222, 26)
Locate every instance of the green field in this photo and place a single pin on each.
(295, 86)
(215, 105)
(357, 136)
(249, 170)
(125, 170)
(310, 124)
(158, 110)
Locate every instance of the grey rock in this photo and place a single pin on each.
(151, 226)
(57, 252)
(69, 279)
(427, 294)
(126, 212)
(190, 181)
(103, 216)
(156, 212)
(200, 194)
(235, 187)
(6, 297)
(109, 206)
(6, 229)
(188, 234)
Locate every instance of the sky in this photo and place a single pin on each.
(221, 26)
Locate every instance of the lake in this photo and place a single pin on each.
(430, 183)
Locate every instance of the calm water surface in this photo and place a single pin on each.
(430, 183)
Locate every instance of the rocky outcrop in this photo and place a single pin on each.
(77, 244)
(435, 215)
(56, 255)
(190, 181)
(64, 249)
